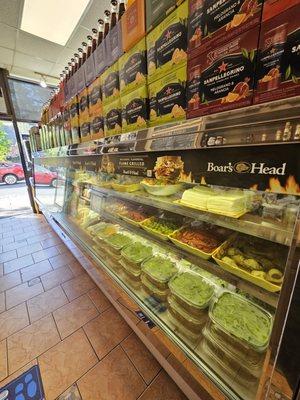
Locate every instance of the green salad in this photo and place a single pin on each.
(137, 252)
(118, 240)
(242, 319)
(160, 268)
(164, 227)
(192, 288)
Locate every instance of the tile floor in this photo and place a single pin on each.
(52, 313)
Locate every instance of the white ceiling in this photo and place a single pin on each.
(24, 54)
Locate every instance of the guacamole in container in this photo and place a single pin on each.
(191, 291)
(117, 241)
(153, 290)
(242, 319)
(159, 271)
(135, 253)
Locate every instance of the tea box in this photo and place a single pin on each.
(216, 22)
(84, 115)
(110, 83)
(133, 24)
(223, 77)
(133, 68)
(278, 69)
(135, 109)
(167, 97)
(112, 118)
(74, 120)
(167, 44)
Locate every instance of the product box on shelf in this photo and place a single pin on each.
(133, 24)
(100, 59)
(84, 115)
(133, 68)
(74, 116)
(135, 109)
(278, 64)
(96, 109)
(110, 83)
(212, 23)
(114, 44)
(67, 124)
(156, 11)
(112, 117)
(167, 97)
(167, 44)
(89, 70)
(223, 78)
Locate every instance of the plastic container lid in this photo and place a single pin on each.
(243, 319)
(118, 240)
(192, 289)
(136, 252)
(159, 268)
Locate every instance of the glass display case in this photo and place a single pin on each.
(202, 238)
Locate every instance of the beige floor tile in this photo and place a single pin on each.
(53, 241)
(17, 263)
(76, 268)
(141, 357)
(27, 344)
(99, 299)
(14, 245)
(73, 315)
(2, 303)
(107, 331)
(65, 363)
(35, 270)
(113, 378)
(78, 286)
(8, 256)
(29, 249)
(3, 360)
(56, 277)
(44, 254)
(45, 303)
(61, 259)
(163, 388)
(10, 280)
(13, 320)
(22, 293)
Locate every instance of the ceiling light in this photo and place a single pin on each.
(43, 82)
(51, 20)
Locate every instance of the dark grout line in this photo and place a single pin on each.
(127, 355)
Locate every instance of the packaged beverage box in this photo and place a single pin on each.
(214, 22)
(74, 117)
(110, 83)
(133, 24)
(61, 129)
(96, 109)
(133, 68)
(167, 44)
(114, 44)
(113, 118)
(100, 58)
(223, 78)
(84, 115)
(135, 109)
(156, 11)
(278, 64)
(167, 97)
(67, 124)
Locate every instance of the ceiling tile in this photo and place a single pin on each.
(77, 38)
(7, 35)
(10, 10)
(56, 70)
(6, 57)
(34, 64)
(38, 47)
(65, 56)
(95, 12)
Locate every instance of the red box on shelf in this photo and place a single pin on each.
(278, 67)
(223, 78)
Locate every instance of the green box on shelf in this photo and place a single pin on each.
(135, 109)
(110, 83)
(113, 118)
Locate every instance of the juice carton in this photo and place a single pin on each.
(278, 69)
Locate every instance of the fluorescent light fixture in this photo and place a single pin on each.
(43, 82)
(53, 20)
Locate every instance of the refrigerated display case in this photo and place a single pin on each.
(197, 223)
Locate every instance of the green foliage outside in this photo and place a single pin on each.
(4, 144)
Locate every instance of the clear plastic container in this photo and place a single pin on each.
(152, 289)
(186, 288)
(181, 330)
(234, 327)
(143, 251)
(116, 243)
(131, 280)
(134, 273)
(159, 271)
(184, 318)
